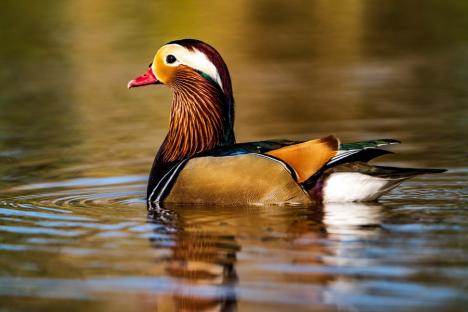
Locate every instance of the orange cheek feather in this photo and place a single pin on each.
(163, 72)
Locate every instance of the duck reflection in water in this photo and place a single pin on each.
(202, 263)
(206, 241)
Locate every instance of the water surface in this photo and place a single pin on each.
(76, 147)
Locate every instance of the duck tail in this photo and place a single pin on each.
(359, 181)
(347, 176)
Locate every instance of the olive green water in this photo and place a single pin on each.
(76, 147)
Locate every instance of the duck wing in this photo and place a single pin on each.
(257, 147)
(308, 159)
(362, 152)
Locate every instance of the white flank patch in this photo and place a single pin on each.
(354, 186)
(195, 59)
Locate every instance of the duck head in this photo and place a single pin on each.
(202, 112)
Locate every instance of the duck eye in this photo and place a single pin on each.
(170, 59)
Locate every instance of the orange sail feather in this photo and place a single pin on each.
(308, 157)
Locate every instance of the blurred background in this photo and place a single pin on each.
(356, 69)
(76, 147)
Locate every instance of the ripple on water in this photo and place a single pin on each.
(71, 224)
(94, 240)
(84, 192)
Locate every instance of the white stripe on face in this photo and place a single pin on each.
(192, 58)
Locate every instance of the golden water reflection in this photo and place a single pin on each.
(204, 255)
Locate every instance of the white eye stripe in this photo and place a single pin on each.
(193, 58)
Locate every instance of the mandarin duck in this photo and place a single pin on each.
(199, 161)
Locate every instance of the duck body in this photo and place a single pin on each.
(199, 161)
(248, 174)
(244, 179)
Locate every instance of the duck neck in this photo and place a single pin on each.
(200, 118)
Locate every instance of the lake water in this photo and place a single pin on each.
(76, 147)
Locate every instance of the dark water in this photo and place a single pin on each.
(76, 147)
